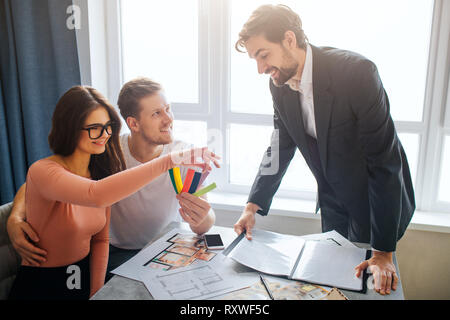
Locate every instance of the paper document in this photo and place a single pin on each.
(331, 237)
(329, 265)
(268, 252)
(195, 282)
(175, 249)
(178, 266)
(328, 259)
(281, 289)
(199, 282)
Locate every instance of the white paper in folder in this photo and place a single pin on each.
(329, 265)
(316, 261)
(269, 252)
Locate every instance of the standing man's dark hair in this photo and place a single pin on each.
(272, 21)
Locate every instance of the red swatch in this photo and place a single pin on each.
(188, 180)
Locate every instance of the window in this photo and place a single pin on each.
(444, 186)
(153, 45)
(217, 90)
(192, 132)
(410, 143)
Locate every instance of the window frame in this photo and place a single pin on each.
(214, 95)
(436, 92)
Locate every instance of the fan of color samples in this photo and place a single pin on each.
(193, 180)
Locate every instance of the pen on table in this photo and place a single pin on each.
(267, 287)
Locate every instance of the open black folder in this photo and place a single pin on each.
(299, 259)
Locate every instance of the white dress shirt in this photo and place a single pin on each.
(305, 87)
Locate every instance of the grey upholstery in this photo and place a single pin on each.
(9, 259)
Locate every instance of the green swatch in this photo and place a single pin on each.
(173, 180)
(205, 190)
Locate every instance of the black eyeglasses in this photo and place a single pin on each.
(96, 131)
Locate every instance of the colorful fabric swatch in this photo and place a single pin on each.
(195, 182)
(173, 180)
(205, 190)
(202, 179)
(192, 182)
(188, 180)
(177, 178)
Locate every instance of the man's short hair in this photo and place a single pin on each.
(131, 94)
(272, 21)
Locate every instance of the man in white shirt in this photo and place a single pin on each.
(139, 218)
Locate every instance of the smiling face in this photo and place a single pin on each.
(99, 117)
(272, 58)
(155, 121)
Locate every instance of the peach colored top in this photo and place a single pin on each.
(71, 213)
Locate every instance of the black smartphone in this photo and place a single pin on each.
(213, 241)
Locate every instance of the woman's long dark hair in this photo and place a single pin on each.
(68, 119)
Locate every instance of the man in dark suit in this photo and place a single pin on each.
(331, 105)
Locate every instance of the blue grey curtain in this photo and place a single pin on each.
(38, 63)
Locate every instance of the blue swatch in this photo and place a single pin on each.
(195, 182)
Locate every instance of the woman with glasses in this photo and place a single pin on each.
(69, 194)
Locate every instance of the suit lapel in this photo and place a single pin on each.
(322, 103)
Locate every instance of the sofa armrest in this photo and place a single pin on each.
(10, 260)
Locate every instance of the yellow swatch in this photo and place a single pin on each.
(177, 177)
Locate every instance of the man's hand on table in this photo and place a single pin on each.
(247, 220)
(383, 270)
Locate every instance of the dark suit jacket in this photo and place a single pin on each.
(361, 156)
